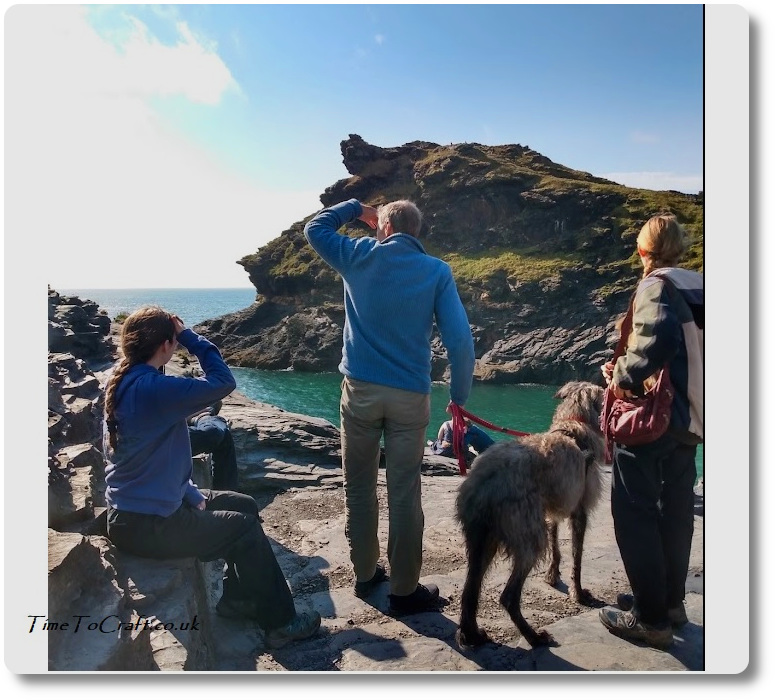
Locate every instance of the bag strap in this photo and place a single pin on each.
(624, 331)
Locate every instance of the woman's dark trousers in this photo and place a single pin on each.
(228, 529)
(652, 503)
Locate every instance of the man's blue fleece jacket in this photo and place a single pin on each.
(393, 293)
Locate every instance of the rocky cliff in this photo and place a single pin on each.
(543, 255)
(141, 614)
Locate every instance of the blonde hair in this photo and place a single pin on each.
(403, 215)
(143, 332)
(663, 241)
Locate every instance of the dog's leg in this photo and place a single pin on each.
(511, 600)
(481, 549)
(578, 522)
(552, 576)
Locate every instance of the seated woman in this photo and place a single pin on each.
(154, 509)
(442, 445)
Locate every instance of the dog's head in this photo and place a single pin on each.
(581, 401)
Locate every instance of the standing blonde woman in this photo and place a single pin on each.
(652, 496)
(154, 509)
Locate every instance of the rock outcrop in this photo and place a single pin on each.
(78, 327)
(79, 343)
(543, 255)
(114, 612)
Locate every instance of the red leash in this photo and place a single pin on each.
(458, 432)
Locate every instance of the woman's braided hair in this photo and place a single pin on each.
(143, 332)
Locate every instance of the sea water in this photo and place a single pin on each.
(523, 407)
(192, 305)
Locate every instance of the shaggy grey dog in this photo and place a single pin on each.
(516, 494)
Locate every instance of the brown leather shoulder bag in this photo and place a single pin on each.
(636, 420)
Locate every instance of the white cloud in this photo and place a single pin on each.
(98, 191)
(380, 39)
(658, 181)
(644, 137)
(189, 68)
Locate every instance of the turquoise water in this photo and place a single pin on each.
(527, 408)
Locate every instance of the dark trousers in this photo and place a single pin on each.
(652, 503)
(228, 529)
(211, 434)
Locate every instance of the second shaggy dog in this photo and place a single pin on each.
(514, 498)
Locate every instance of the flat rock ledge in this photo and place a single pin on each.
(116, 612)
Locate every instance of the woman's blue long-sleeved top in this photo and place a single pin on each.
(393, 293)
(150, 470)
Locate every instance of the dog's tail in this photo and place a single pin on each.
(500, 499)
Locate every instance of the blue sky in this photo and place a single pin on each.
(493, 74)
(609, 89)
(200, 132)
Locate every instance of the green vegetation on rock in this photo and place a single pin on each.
(523, 266)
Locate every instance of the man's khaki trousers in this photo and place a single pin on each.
(367, 412)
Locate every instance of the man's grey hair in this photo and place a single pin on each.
(403, 215)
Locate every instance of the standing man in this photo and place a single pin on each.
(393, 293)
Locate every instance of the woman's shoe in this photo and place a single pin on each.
(304, 625)
(676, 616)
(629, 627)
(236, 609)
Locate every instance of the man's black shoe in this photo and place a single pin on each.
(363, 588)
(423, 599)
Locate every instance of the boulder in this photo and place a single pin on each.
(89, 609)
(115, 612)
